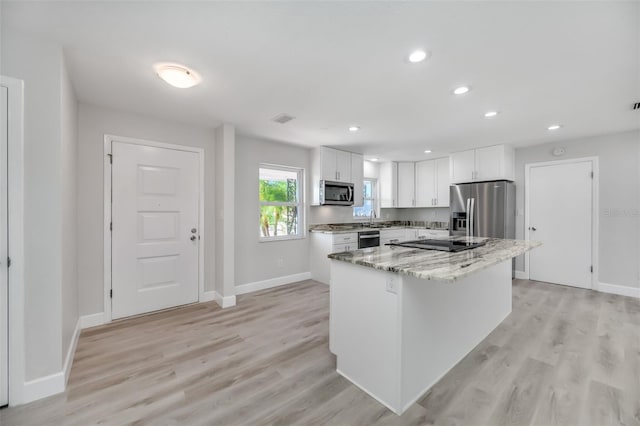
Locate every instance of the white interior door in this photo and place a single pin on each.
(4, 250)
(560, 215)
(155, 236)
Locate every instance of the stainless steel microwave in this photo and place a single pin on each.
(336, 193)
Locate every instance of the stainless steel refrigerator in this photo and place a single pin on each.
(483, 209)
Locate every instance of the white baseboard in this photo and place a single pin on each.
(622, 290)
(522, 275)
(43, 387)
(273, 282)
(224, 302)
(68, 362)
(93, 320)
(208, 296)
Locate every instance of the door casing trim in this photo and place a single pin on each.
(15, 206)
(108, 140)
(595, 203)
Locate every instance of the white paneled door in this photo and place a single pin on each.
(560, 215)
(4, 248)
(155, 236)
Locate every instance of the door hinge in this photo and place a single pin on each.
(591, 269)
(8, 262)
(591, 175)
(111, 293)
(110, 226)
(110, 158)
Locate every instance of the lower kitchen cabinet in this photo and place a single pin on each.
(324, 244)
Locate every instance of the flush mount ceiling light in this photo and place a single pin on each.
(374, 159)
(418, 56)
(177, 75)
(461, 90)
(427, 151)
(491, 114)
(354, 128)
(554, 127)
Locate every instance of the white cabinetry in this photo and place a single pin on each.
(392, 235)
(432, 183)
(388, 184)
(324, 244)
(406, 184)
(357, 177)
(482, 164)
(335, 165)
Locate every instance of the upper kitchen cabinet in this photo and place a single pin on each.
(388, 184)
(335, 164)
(406, 184)
(432, 183)
(357, 177)
(339, 166)
(483, 164)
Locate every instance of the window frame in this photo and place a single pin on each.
(374, 199)
(300, 204)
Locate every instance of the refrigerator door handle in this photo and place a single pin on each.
(468, 217)
(471, 226)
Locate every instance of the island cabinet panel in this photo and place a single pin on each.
(395, 335)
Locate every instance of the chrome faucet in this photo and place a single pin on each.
(372, 216)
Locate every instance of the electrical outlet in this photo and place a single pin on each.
(280, 262)
(392, 286)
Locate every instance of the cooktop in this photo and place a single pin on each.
(440, 245)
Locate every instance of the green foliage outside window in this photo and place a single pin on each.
(279, 202)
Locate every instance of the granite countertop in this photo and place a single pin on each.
(438, 265)
(344, 228)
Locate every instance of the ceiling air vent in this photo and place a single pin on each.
(282, 118)
(636, 105)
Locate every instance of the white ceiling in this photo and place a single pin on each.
(334, 64)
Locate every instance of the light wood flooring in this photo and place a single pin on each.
(564, 356)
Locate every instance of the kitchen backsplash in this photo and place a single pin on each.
(338, 214)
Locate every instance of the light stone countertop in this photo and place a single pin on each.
(437, 265)
(357, 227)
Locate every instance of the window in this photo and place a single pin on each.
(281, 205)
(369, 206)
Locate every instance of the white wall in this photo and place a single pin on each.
(257, 261)
(39, 64)
(68, 172)
(619, 157)
(94, 123)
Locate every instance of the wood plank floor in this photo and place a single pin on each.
(564, 356)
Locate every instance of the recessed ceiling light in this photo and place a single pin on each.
(491, 114)
(427, 151)
(461, 90)
(374, 159)
(177, 75)
(554, 127)
(354, 128)
(418, 56)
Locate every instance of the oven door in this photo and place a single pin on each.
(368, 239)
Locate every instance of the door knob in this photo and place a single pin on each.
(193, 230)
(533, 228)
(193, 238)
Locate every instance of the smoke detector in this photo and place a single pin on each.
(282, 118)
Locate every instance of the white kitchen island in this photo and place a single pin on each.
(400, 318)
